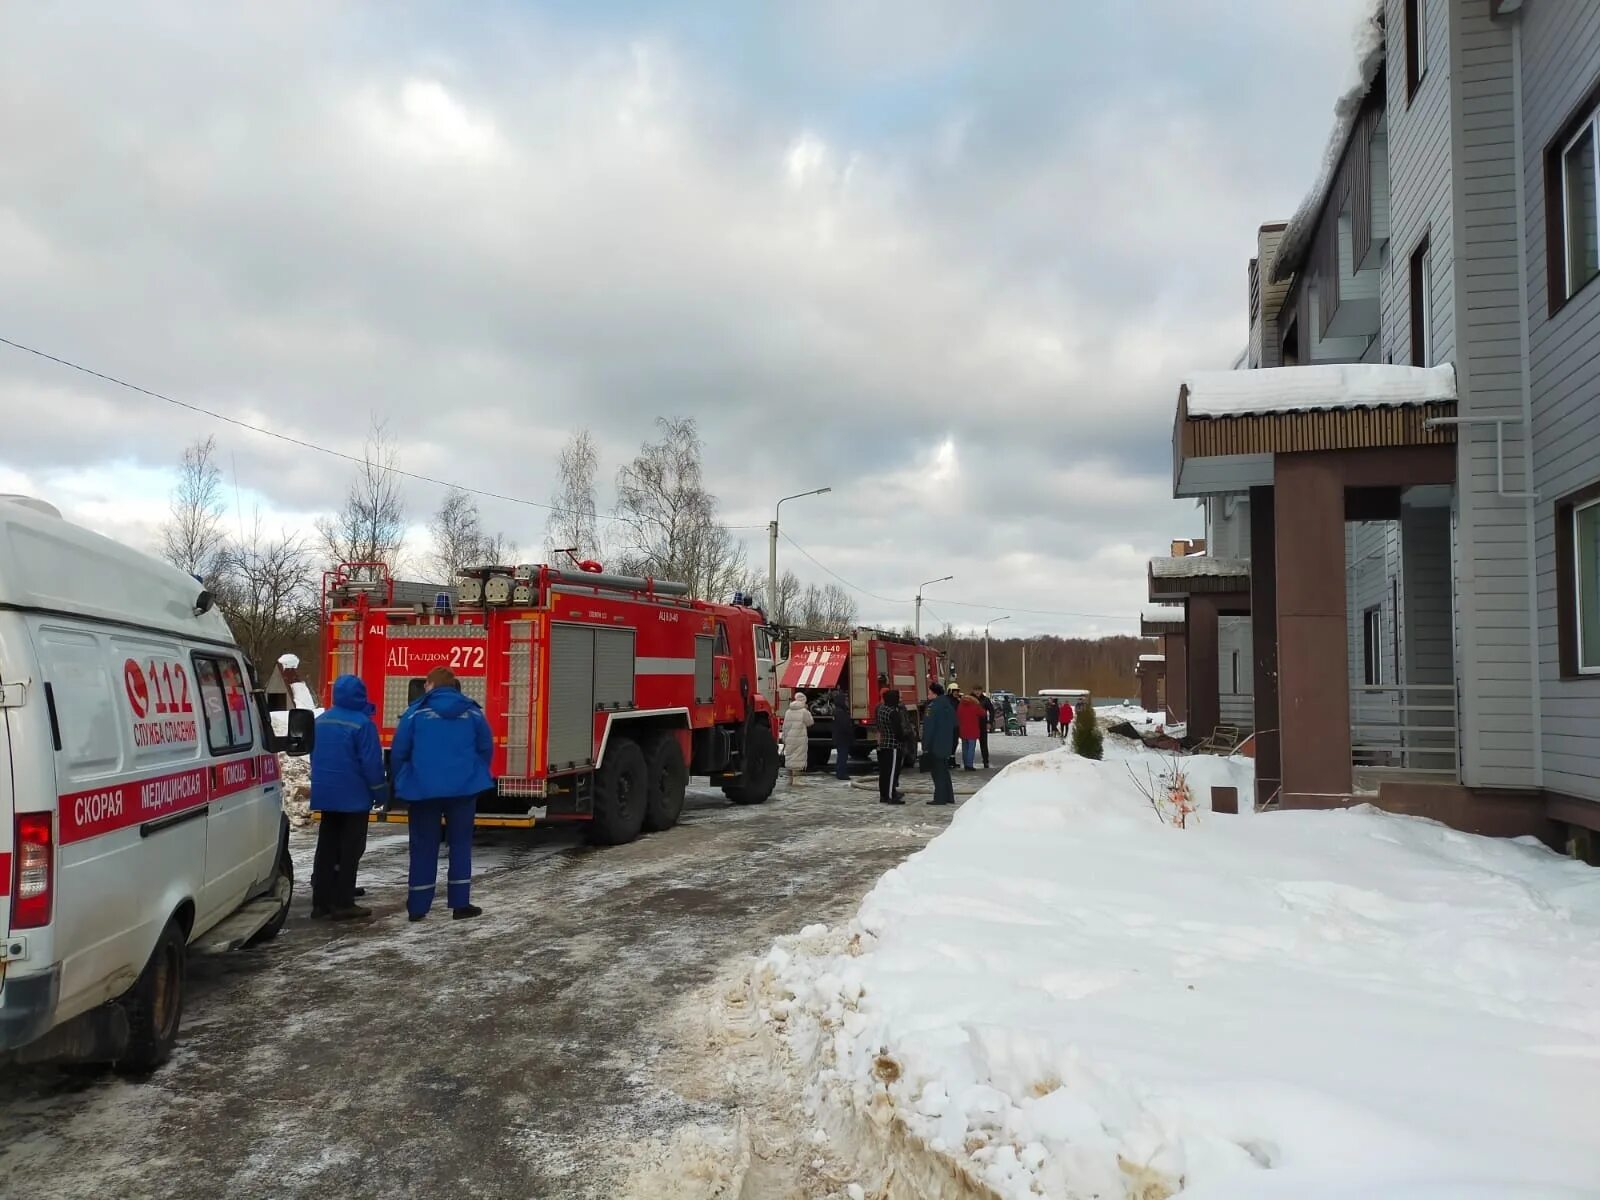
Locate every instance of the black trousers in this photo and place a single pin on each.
(983, 741)
(888, 771)
(944, 791)
(341, 839)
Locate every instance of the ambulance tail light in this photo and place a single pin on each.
(34, 888)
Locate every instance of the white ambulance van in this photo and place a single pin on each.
(140, 808)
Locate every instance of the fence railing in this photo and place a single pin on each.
(1406, 727)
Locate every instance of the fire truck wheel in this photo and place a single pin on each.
(621, 791)
(668, 777)
(154, 1005)
(761, 764)
(817, 757)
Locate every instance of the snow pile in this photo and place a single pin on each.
(1140, 718)
(1062, 996)
(1322, 386)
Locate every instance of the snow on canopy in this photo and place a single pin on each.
(1323, 386)
(1161, 615)
(1198, 567)
(1153, 658)
(1369, 56)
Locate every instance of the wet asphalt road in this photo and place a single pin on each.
(511, 1056)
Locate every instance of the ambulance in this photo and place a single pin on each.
(141, 818)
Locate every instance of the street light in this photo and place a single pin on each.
(920, 586)
(986, 649)
(772, 545)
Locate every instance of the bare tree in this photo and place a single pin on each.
(838, 609)
(575, 523)
(783, 608)
(193, 538)
(267, 593)
(371, 527)
(667, 521)
(457, 536)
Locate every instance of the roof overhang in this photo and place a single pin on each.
(1230, 424)
(1176, 579)
(1160, 622)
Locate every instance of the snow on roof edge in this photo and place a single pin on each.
(1370, 51)
(1316, 386)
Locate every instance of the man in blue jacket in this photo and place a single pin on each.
(347, 780)
(441, 752)
(939, 743)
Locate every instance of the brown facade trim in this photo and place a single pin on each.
(1197, 585)
(1566, 581)
(1296, 432)
(1161, 628)
(1570, 810)
(1555, 224)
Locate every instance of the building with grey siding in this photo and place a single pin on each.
(1458, 226)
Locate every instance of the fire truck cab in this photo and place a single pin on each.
(605, 692)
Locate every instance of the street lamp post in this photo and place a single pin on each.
(772, 545)
(986, 652)
(920, 586)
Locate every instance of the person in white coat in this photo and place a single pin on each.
(797, 720)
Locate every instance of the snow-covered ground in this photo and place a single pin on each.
(1064, 996)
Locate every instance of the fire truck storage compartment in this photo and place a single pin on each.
(591, 670)
(571, 697)
(705, 668)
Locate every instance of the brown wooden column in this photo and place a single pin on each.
(1205, 686)
(1313, 670)
(1264, 641)
(1177, 651)
(1147, 687)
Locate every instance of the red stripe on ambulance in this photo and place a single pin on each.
(5, 873)
(231, 777)
(105, 810)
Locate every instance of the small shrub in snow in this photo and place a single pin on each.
(1087, 740)
(1168, 792)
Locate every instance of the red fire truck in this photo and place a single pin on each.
(605, 692)
(865, 663)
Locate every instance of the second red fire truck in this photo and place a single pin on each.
(605, 692)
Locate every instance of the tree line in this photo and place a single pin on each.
(665, 524)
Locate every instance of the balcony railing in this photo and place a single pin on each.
(1408, 729)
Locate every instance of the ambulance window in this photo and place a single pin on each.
(75, 667)
(225, 702)
(722, 639)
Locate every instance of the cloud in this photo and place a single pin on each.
(948, 259)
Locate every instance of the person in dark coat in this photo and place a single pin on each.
(888, 719)
(347, 781)
(939, 741)
(1052, 716)
(987, 727)
(441, 754)
(844, 733)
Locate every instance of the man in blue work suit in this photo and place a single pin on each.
(939, 743)
(347, 780)
(440, 758)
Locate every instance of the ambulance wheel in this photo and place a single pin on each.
(154, 1005)
(621, 793)
(761, 764)
(283, 886)
(668, 777)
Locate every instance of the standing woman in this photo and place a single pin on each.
(441, 753)
(797, 721)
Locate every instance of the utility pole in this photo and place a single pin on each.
(986, 654)
(920, 586)
(772, 546)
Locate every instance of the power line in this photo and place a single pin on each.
(301, 442)
(829, 570)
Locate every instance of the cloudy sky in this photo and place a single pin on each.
(945, 256)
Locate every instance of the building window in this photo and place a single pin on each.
(1235, 672)
(1372, 646)
(1416, 45)
(1580, 221)
(1578, 582)
(1422, 305)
